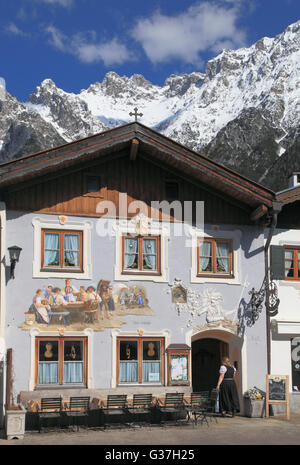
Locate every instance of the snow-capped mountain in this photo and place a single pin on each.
(244, 111)
(23, 131)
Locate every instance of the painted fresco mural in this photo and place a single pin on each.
(98, 307)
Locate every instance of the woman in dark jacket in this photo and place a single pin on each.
(228, 396)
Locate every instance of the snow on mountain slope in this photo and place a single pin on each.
(265, 76)
(212, 112)
(23, 131)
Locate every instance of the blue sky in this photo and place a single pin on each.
(76, 42)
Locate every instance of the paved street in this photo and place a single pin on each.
(228, 431)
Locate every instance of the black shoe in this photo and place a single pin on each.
(233, 413)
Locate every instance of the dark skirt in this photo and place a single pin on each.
(229, 399)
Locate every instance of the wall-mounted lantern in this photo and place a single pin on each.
(14, 255)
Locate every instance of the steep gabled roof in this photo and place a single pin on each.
(150, 144)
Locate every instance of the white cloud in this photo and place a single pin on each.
(203, 26)
(2, 88)
(15, 30)
(110, 53)
(87, 50)
(64, 3)
(57, 39)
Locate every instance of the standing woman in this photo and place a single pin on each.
(228, 398)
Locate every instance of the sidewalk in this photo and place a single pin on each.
(228, 431)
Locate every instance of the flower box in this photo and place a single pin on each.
(254, 408)
(15, 423)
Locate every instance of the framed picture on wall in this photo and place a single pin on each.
(179, 364)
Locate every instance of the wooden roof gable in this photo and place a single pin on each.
(138, 139)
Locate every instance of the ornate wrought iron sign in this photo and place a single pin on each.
(268, 294)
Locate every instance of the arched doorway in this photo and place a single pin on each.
(206, 358)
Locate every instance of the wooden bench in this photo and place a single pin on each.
(79, 407)
(142, 405)
(51, 407)
(116, 405)
(173, 405)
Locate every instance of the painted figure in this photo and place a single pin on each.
(69, 291)
(140, 300)
(107, 303)
(92, 301)
(48, 293)
(42, 307)
(83, 295)
(110, 300)
(91, 295)
(58, 298)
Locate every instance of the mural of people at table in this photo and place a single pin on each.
(97, 306)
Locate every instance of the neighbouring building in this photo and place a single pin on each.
(115, 293)
(285, 326)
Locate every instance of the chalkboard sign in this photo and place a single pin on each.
(278, 392)
(277, 388)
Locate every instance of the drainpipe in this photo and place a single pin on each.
(276, 208)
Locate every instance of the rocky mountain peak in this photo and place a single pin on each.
(243, 111)
(180, 84)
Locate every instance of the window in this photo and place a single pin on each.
(141, 254)
(92, 183)
(171, 190)
(215, 257)
(292, 263)
(61, 250)
(140, 360)
(61, 361)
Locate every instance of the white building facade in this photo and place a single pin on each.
(285, 326)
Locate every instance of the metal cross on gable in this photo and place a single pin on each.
(135, 114)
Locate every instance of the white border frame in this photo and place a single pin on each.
(45, 223)
(88, 332)
(235, 236)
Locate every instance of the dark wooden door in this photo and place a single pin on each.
(206, 360)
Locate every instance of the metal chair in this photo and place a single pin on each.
(142, 405)
(209, 407)
(116, 406)
(195, 407)
(79, 407)
(51, 407)
(173, 405)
